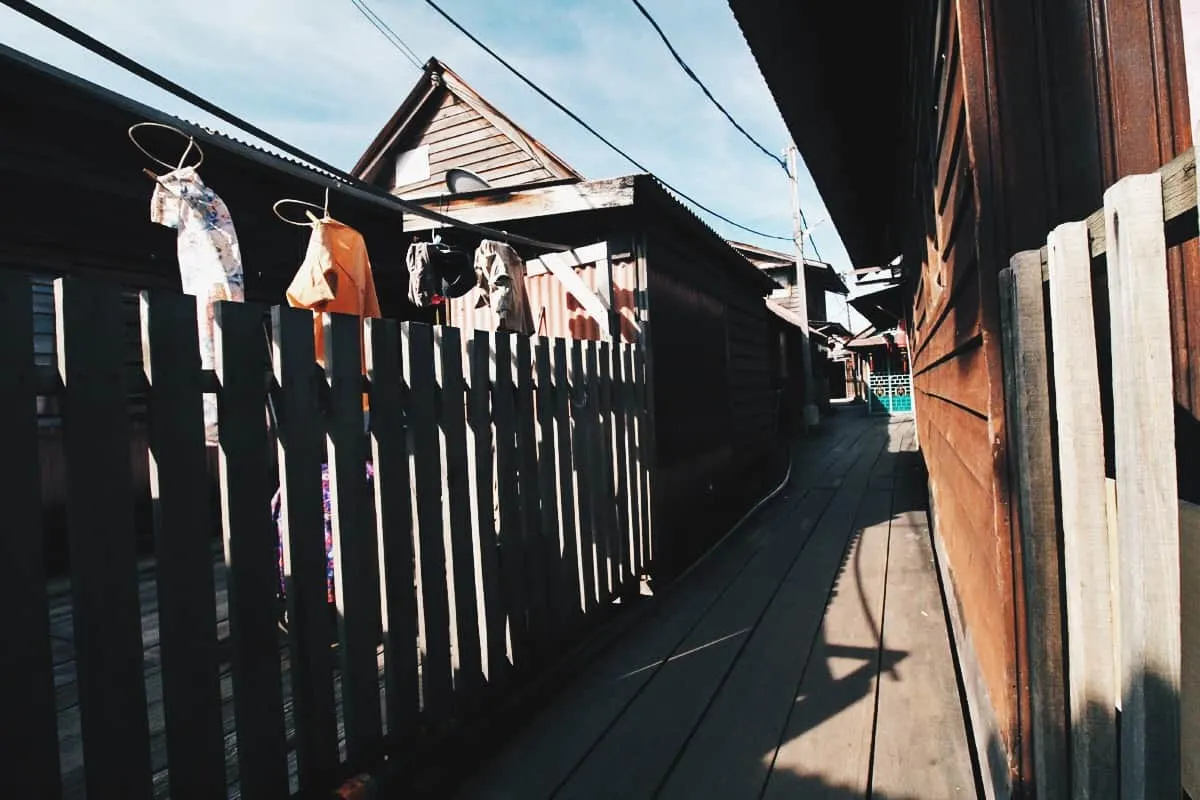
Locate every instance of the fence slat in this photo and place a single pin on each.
(301, 450)
(1090, 645)
(1028, 386)
(355, 549)
(614, 448)
(507, 466)
(104, 586)
(426, 470)
(531, 525)
(482, 458)
(468, 660)
(187, 612)
(1147, 508)
(601, 471)
(632, 464)
(567, 510)
(250, 551)
(28, 735)
(582, 405)
(394, 532)
(641, 415)
(549, 558)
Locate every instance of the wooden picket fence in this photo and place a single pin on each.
(510, 503)
(1113, 617)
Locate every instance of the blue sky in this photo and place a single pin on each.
(317, 74)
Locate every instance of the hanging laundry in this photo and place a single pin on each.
(335, 277)
(500, 274)
(210, 261)
(422, 278)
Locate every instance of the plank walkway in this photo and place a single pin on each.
(808, 656)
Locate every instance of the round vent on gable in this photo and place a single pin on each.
(463, 180)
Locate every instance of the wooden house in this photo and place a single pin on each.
(716, 361)
(444, 124)
(974, 129)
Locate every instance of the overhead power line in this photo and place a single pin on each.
(349, 182)
(695, 78)
(579, 120)
(388, 33)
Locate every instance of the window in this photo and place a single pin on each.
(412, 166)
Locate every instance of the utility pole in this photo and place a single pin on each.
(811, 417)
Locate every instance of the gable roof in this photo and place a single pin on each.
(773, 261)
(461, 130)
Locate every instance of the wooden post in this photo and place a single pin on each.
(104, 585)
(301, 446)
(1147, 488)
(183, 545)
(394, 529)
(467, 656)
(1028, 387)
(426, 473)
(250, 551)
(28, 736)
(1080, 426)
(355, 553)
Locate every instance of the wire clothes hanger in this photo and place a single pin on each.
(313, 220)
(192, 144)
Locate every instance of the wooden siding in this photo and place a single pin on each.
(458, 136)
(953, 355)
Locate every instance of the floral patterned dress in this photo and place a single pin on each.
(277, 518)
(210, 261)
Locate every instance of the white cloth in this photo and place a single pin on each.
(500, 274)
(210, 261)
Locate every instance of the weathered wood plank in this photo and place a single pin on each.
(1148, 511)
(621, 493)
(250, 551)
(645, 446)
(426, 472)
(542, 201)
(484, 510)
(1027, 384)
(301, 446)
(355, 548)
(183, 529)
(581, 408)
(459, 540)
(548, 548)
(108, 645)
(536, 579)
(568, 570)
(1090, 646)
(830, 727)
(637, 752)
(1189, 547)
(393, 521)
(633, 466)
(920, 693)
(27, 726)
(512, 564)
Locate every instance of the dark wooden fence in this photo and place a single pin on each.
(510, 502)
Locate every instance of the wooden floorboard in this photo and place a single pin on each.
(770, 667)
(544, 755)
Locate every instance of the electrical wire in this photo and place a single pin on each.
(347, 181)
(695, 78)
(579, 120)
(387, 32)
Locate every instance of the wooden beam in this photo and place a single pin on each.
(1178, 198)
(500, 205)
(562, 266)
(1147, 485)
